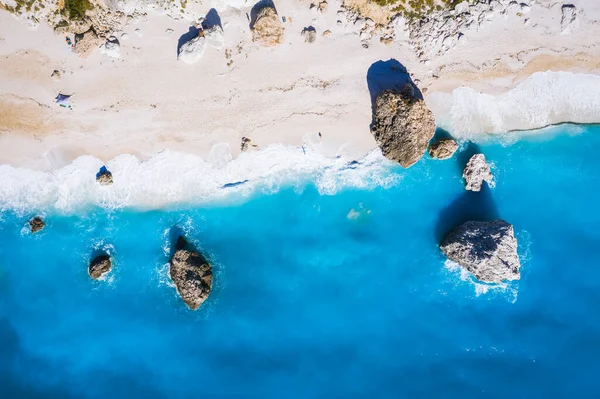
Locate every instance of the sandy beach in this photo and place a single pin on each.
(147, 100)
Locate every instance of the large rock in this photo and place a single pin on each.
(267, 29)
(476, 172)
(192, 275)
(402, 125)
(86, 43)
(192, 50)
(99, 266)
(486, 249)
(36, 224)
(104, 177)
(443, 149)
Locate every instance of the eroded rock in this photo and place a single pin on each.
(443, 149)
(36, 224)
(310, 34)
(402, 125)
(192, 275)
(86, 43)
(104, 177)
(267, 29)
(486, 249)
(247, 144)
(476, 172)
(99, 266)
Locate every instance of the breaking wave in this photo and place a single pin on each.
(544, 99)
(171, 177)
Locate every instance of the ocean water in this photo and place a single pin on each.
(321, 289)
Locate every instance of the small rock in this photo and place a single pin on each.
(36, 224)
(56, 75)
(327, 33)
(112, 47)
(486, 249)
(99, 266)
(323, 7)
(193, 50)
(310, 34)
(267, 29)
(247, 144)
(104, 177)
(192, 275)
(443, 149)
(476, 172)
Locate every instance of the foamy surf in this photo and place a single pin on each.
(543, 99)
(171, 177)
(508, 290)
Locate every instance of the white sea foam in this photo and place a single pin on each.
(171, 177)
(509, 290)
(544, 99)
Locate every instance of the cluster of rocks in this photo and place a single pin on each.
(366, 28)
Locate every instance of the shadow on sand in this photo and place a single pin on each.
(212, 19)
(388, 75)
(186, 37)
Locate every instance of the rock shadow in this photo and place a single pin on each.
(388, 75)
(470, 205)
(256, 9)
(441, 134)
(212, 19)
(186, 37)
(178, 240)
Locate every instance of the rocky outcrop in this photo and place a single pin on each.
(36, 224)
(192, 51)
(247, 144)
(486, 249)
(192, 275)
(443, 149)
(476, 172)
(267, 29)
(112, 47)
(99, 266)
(104, 177)
(402, 125)
(310, 34)
(86, 43)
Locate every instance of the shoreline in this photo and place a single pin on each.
(147, 101)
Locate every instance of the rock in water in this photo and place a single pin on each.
(402, 125)
(476, 172)
(192, 275)
(486, 249)
(104, 177)
(193, 50)
(443, 149)
(36, 224)
(99, 265)
(267, 29)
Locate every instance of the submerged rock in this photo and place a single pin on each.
(192, 275)
(402, 125)
(36, 224)
(443, 149)
(486, 249)
(104, 177)
(99, 266)
(267, 29)
(476, 172)
(191, 51)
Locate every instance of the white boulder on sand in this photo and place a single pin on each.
(476, 172)
(267, 29)
(215, 36)
(112, 48)
(192, 51)
(486, 249)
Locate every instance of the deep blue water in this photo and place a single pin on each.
(312, 299)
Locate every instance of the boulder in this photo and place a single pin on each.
(310, 34)
(86, 43)
(247, 144)
(104, 177)
(267, 29)
(112, 47)
(402, 125)
(191, 51)
(192, 275)
(486, 249)
(36, 224)
(443, 149)
(568, 20)
(476, 172)
(99, 266)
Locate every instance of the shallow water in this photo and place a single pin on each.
(319, 295)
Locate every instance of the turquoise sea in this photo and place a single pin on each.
(337, 294)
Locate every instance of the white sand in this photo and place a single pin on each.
(147, 101)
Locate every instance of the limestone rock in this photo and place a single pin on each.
(476, 172)
(267, 29)
(310, 34)
(86, 43)
(247, 144)
(402, 125)
(443, 149)
(486, 249)
(99, 266)
(36, 224)
(112, 47)
(104, 177)
(192, 275)
(193, 50)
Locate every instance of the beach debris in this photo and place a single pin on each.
(443, 149)
(192, 51)
(191, 273)
(568, 21)
(99, 266)
(402, 125)
(36, 224)
(247, 144)
(267, 29)
(112, 47)
(310, 34)
(86, 43)
(486, 249)
(476, 172)
(63, 100)
(56, 75)
(104, 177)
